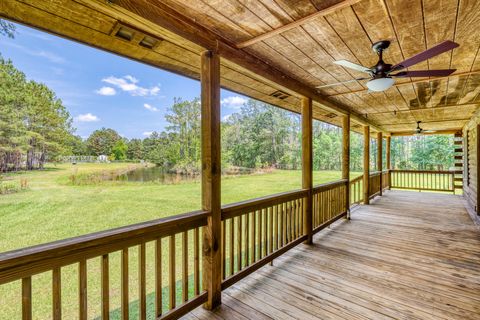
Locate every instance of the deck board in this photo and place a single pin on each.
(408, 255)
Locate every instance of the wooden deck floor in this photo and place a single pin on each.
(409, 255)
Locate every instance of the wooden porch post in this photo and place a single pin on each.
(388, 145)
(379, 157)
(346, 160)
(366, 163)
(210, 123)
(307, 159)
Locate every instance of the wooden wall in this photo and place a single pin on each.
(471, 156)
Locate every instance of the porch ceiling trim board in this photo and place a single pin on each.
(297, 23)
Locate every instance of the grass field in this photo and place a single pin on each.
(55, 209)
(51, 208)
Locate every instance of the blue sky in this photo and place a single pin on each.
(100, 89)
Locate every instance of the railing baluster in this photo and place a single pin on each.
(224, 250)
(196, 261)
(239, 242)
(265, 232)
(105, 287)
(270, 242)
(259, 233)
(82, 292)
(124, 284)
(284, 223)
(57, 294)
(247, 239)
(171, 273)
(142, 290)
(185, 266)
(27, 298)
(254, 222)
(158, 277)
(232, 245)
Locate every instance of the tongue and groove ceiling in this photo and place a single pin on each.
(303, 52)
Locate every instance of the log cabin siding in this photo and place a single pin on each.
(470, 152)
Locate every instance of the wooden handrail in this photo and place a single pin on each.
(360, 177)
(238, 208)
(428, 171)
(329, 185)
(20, 263)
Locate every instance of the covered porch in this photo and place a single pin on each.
(405, 256)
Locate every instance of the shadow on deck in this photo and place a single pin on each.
(408, 255)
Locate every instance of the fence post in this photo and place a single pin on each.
(379, 159)
(346, 160)
(210, 125)
(366, 164)
(307, 157)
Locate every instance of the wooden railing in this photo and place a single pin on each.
(374, 184)
(423, 180)
(385, 179)
(329, 203)
(356, 190)
(52, 257)
(254, 233)
(257, 231)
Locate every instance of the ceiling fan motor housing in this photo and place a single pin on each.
(381, 69)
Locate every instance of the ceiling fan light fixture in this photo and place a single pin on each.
(380, 84)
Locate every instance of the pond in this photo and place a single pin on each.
(156, 174)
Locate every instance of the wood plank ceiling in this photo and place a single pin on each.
(304, 52)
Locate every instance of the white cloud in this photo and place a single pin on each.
(106, 91)
(52, 57)
(147, 133)
(150, 107)
(225, 118)
(234, 102)
(49, 56)
(88, 117)
(129, 84)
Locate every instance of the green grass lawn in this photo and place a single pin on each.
(52, 209)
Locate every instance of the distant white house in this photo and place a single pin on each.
(102, 158)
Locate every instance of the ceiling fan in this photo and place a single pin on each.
(419, 131)
(381, 75)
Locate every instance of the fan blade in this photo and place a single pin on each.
(427, 54)
(354, 66)
(424, 73)
(429, 131)
(338, 83)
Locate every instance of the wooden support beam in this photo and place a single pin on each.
(159, 13)
(298, 23)
(379, 157)
(436, 109)
(211, 167)
(346, 160)
(307, 160)
(477, 163)
(366, 164)
(388, 160)
(411, 133)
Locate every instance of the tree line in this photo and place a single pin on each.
(35, 127)
(34, 124)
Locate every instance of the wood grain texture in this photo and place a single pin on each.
(366, 164)
(307, 164)
(406, 256)
(211, 176)
(346, 157)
